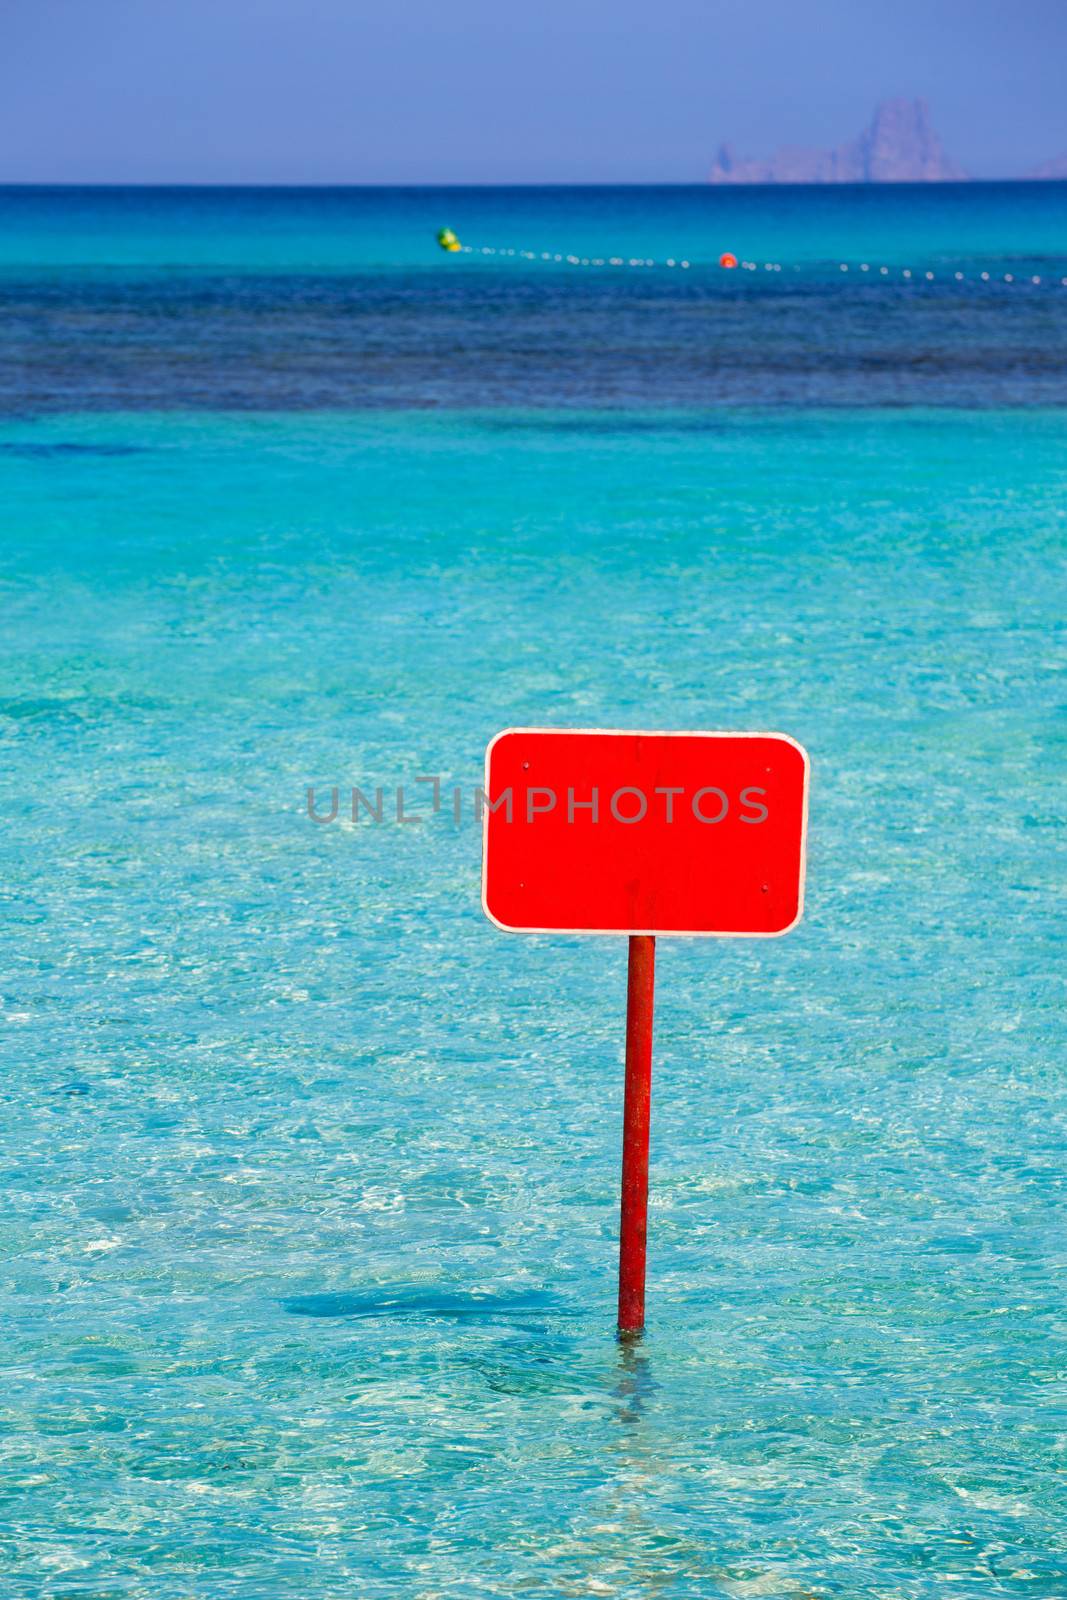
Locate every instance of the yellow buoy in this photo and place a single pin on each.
(447, 239)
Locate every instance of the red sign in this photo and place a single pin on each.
(607, 831)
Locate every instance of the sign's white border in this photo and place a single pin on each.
(656, 933)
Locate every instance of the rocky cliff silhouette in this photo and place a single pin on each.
(899, 146)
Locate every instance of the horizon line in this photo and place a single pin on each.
(515, 183)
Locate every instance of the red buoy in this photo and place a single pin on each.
(727, 259)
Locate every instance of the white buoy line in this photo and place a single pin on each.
(569, 260)
(873, 270)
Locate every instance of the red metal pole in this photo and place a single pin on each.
(640, 988)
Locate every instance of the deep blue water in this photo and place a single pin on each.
(340, 299)
(310, 1174)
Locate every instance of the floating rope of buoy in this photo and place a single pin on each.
(728, 261)
(570, 260)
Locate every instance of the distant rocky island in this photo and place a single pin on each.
(1051, 170)
(898, 146)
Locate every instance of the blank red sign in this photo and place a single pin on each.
(607, 831)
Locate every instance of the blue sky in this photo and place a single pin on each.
(408, 91)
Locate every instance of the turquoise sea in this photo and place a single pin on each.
(310, 1174)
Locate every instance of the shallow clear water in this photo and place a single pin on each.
(310, 1175)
